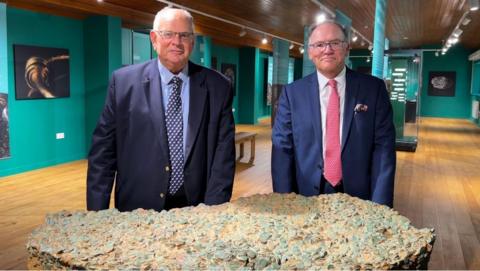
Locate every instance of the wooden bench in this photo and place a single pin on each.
(241, 138)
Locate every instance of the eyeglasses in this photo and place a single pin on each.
(322, 46)
(168, 35)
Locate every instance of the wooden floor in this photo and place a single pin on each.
(437, 186)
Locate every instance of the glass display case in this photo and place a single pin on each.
(404, 85)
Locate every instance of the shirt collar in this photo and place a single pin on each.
(167, 75)
(340, 78)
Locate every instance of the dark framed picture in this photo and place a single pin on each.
(41, 72)
(441, 83)
(4, 129)
(229, 70)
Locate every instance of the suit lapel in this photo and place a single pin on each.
(153, 95)
(314, 97)
(198, 94)
(351, 90)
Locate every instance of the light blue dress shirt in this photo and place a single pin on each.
(166, 76)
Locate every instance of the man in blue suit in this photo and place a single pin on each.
(166, 134)
(334, 131)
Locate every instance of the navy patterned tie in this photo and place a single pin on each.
(174, 123)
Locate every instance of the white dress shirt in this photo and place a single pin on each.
(324, 91)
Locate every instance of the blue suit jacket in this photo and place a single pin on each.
(368, 139)
(130, 141)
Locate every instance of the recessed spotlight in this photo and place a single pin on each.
(264, 40)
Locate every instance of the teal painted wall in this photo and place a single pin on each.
(263, 110)
(297, 70)
(228, 55)
(142, 47)
(202, 51)
(360, 63)
(34, 123)
(249, 72)
(103, 55)
(456, 59)
(3, 49)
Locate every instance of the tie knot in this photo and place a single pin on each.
(176, 81)
(332, 83)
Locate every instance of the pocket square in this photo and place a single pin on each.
(360, 108)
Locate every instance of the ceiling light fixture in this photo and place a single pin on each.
(264, 40)
(320, 18)
(242, 33)
(474, 5)
(172, 4)
(331, 14)
(466, 21)
(301, 49)
(457, 32)
(454, 36)
(354, 38)
(291, 46)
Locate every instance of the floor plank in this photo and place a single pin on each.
(437, 186)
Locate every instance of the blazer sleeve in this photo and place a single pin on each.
(102, 159)
(283, 156)
(220, 183)
(384, 155)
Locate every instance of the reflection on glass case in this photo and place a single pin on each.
(403, 84)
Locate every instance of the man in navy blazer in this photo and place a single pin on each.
(364, 155)
(131, 141)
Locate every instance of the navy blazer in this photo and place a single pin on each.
(368, 139)
(130, 141)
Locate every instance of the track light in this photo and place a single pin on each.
(362, 43)
(457, 32)
(368, 59)
(354, 38)
(264, 40)
(242, 32)
(291, 46)
(466, 21)
(301, 49)
(370, 47)
(474, 5)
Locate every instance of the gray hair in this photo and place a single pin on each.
(168, 11)
(340, 26)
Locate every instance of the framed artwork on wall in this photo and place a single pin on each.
(41, 72)
(229, 70)
(4, 129)
(441, 83)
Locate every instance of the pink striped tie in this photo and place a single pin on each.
(333, 162)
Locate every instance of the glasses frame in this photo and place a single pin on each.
(184, 36)
(322, 45)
